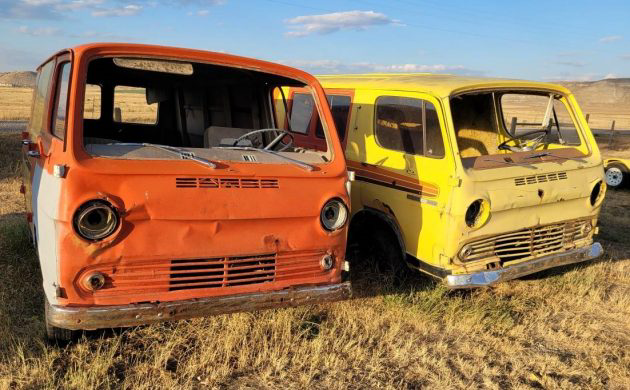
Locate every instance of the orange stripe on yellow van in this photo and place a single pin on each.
(393, 179)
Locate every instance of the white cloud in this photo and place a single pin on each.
(201, 12)
(58, 9)
(573, 64)
(328, 23)
(333, 66)
(127, 10)
(37, 32)
(44, 9)
(610, 38)
(79, 4)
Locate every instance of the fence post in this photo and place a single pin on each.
(612, 133)
(513, 125)
(588, 116)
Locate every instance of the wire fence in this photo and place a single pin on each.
(13, 126)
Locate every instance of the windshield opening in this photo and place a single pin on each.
(171, 110)
(504, 122)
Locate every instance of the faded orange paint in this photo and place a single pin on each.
(161, 222)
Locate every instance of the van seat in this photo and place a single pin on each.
(225, 136)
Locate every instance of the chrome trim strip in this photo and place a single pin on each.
(488, 278)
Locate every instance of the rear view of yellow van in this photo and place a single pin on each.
(472, 180)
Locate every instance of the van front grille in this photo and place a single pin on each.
(223, 275)
(222, 272)
(528, 243)
(223, 182)
(555, 176)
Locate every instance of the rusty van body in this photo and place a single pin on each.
(158, 187)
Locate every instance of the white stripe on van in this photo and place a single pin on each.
(46, 194)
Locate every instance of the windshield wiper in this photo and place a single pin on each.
(545, 154)
(182, 153)
(504, 161)
(301, 164)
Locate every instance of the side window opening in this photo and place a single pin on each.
(41, 94)
(340, 110)
(404, 124)
(61, 101)
(130, 106)
(434, 143)
(301, 113)
(92, 102)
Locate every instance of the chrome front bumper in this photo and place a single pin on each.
(98, 317)
(488, 278)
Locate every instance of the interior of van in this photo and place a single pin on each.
(162, 109)
(493, 122)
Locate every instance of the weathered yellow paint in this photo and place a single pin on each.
(432, 222)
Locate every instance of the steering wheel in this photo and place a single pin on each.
(524, 145)
(274, 142)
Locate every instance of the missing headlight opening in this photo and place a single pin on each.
(474, 212)
(596, 193)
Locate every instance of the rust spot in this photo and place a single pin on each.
(275, 243)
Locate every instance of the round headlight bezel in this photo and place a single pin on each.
(93, 213)
(338, 218)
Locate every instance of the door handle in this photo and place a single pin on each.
(27, 142)
(33, 153)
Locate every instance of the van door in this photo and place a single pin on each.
(403, 164)
(37, 123)
(46, 133)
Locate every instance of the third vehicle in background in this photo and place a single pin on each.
(617, 172)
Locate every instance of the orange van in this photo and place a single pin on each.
(159, 187)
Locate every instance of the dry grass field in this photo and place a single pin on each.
(564, 328)
(15, 103)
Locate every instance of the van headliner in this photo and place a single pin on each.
(440, 85)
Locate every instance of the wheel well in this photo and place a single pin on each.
(375, 219)
(618, 162)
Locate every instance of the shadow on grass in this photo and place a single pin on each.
(21, 295)
(370, 278)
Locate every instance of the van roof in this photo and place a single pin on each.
(178, 53)
(441, 85)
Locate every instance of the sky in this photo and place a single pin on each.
(536, 39)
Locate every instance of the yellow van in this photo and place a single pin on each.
(472, 180)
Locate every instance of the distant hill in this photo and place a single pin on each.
(608, 91)
(18, 79)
